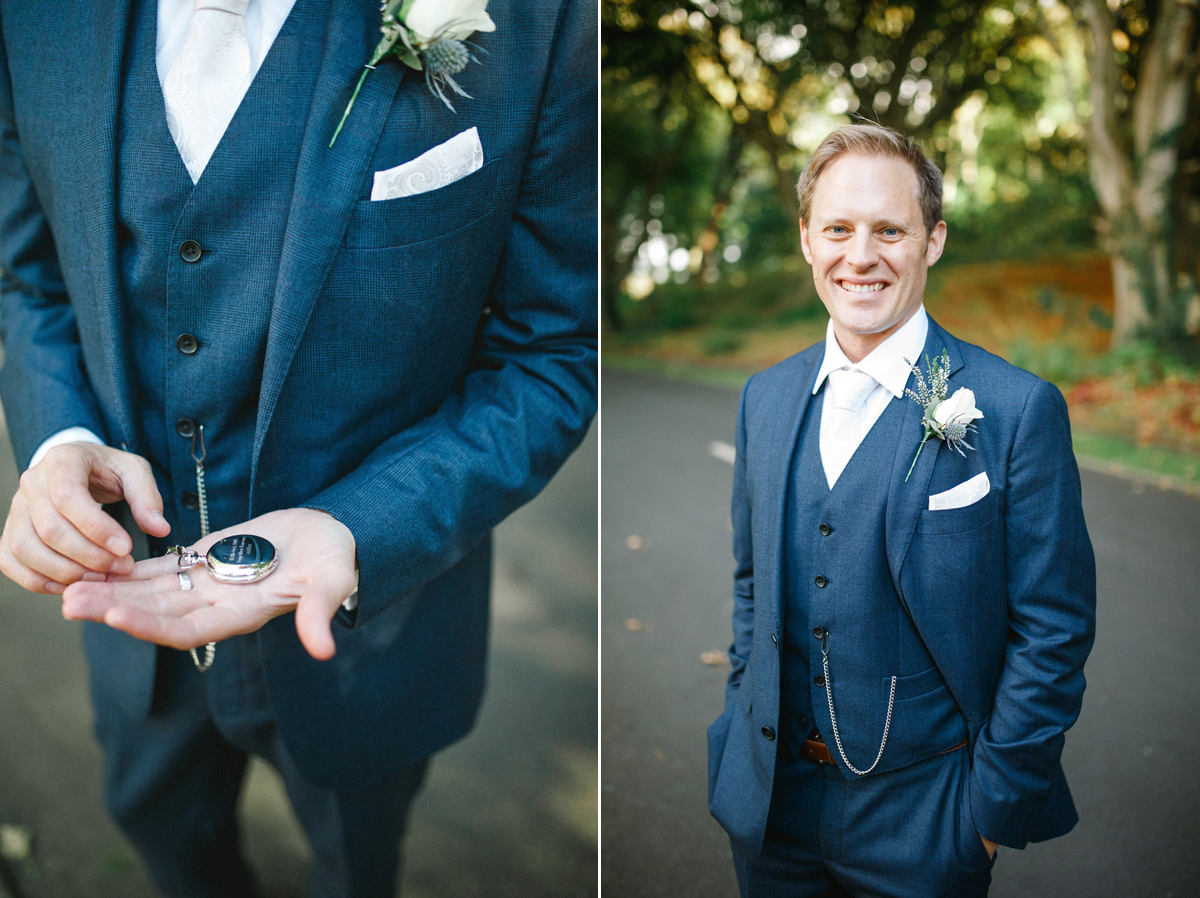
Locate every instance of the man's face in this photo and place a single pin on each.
(866, 242)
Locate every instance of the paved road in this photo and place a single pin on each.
(510, 811)
(665, 574)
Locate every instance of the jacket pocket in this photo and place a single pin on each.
(424, 216)
(961, 520)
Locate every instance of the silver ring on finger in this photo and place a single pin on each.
(185, 580)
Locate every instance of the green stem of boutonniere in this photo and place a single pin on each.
(367, 69)
(354, 96)
(915, 457)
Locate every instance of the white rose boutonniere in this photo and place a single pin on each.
(428, 35)
(948, 419)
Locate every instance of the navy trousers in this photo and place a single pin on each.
(172, 781)
(906, 833)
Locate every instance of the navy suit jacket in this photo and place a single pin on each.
(1002, 592)
(430, 359)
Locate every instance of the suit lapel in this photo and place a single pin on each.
(780, 447)
(328, 184)
(907, 499)
(94, 149)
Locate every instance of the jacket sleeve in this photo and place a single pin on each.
(1051, 587)
(43, 384)
(428, 495)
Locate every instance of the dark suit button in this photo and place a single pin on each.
(774, 641)
(819, 632)
(826, 530)
(820, 581)
(769, 733)
(185, 427)
(187, 344)
(819, 680)
(189, 251)
(190, 501)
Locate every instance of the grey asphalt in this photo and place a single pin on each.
(1132, 758)
(509, 811)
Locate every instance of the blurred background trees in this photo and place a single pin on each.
(1060, 127)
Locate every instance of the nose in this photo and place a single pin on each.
(862, 253)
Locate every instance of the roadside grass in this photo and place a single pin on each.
(1134, 408)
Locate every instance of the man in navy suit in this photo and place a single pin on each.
(914, 594)
(281, 336)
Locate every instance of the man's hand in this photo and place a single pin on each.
(57, 533)
(316, 573)
(990, 846)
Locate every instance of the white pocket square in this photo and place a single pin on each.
(436, 167)
(966, 493)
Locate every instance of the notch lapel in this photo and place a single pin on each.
(327, 186)
(906, 500)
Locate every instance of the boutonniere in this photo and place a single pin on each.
(428, 35)
(948, 419)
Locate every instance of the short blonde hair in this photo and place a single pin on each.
(875, 140)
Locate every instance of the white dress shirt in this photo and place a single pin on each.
(888, 363)
(264, 18)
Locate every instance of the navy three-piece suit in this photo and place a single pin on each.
(983, 613)
(417, 367)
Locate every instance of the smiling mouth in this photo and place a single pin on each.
(861, 288)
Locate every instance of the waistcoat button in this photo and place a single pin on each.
(826, 530)
(769, 733)
(190, 501)
(819, 632)
(190, 251)
(819, 680)
(820, 581)
(187, 343)
(185, 427)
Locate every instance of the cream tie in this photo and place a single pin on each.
(208, 80)
(841, 431)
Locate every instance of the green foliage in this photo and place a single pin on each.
(1057, 362)
(733, 304)
(1146, 362)
(722, 342)
(709, 109)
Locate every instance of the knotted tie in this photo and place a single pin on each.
(841, 432)
(208, 80)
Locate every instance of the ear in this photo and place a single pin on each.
(804, 247)
(937, 242)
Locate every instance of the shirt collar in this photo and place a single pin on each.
(889, 363)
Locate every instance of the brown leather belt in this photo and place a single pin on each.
(815, 749)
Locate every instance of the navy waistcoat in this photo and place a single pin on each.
(839, 594)
(199, 266)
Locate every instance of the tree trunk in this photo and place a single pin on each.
(1133, 166)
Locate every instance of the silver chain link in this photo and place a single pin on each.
(210, 650)
(837, 737)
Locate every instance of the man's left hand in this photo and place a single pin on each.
(316, 573)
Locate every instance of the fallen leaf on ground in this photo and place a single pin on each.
(16, 842)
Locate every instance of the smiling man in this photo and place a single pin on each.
(910, 621)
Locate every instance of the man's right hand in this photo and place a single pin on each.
(58, 533)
